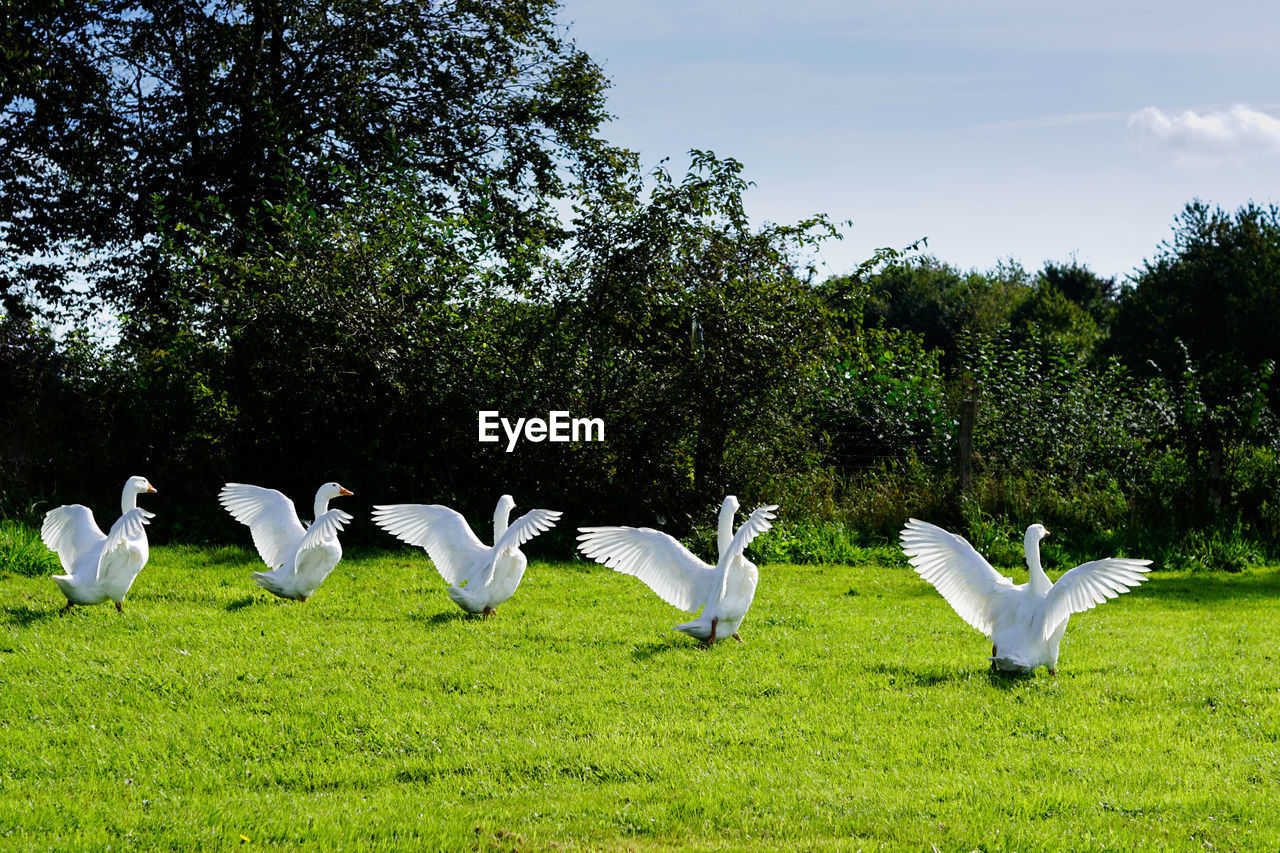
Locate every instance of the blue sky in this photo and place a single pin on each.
(998, 131)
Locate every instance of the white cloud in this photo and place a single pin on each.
(1207, 137)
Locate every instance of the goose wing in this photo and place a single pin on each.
(271, 519)
(758, 522)
(71, 532)
(957, 571)
(323, 529)
(526, 527)
(666, 567)
(1088, 585)
(442, 532)
(127, 530)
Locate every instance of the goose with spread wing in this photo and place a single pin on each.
(1025, 623)
(724, 591)
(480, 576)
(299, 558)
(99, 566)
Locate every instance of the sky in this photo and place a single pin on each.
(996, 130)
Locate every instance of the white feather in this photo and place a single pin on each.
(299, 558)
(440, 531)
(271, 518)
(99, 566)
(663, 564)
(956, 570)
(723, 592)
(71, 532)
(1025, 622)
(1088, 585)
(480, 577)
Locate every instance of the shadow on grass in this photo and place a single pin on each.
(1211, 586)
(444, 617)
(673, 643)
(24, 617)
(1006, 680)
(240, 603)
(905, 676)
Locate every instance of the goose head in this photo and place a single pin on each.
(133, 487)
(501, 515)
(139, 485)
(724, 531)
(329, 491)
(326, 493)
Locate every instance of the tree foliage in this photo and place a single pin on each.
(707, 332)
(123, 123)
(1213, 289)
(332, 231)
(941, 303)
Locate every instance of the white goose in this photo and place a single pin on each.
(98, 566)
(300, 558)
(1025, 623)
(480, 577)
(723, 591)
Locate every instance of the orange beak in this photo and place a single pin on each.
(151, 488)
(344, 491)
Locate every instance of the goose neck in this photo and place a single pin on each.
(1039, 580)
(501, 515)
(724, 532)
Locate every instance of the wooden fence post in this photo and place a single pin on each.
(964, 455)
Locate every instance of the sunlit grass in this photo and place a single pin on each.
(22, 552)
(859, 714)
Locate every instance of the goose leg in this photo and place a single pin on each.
(302, 598)
(1053, 670)
(712, 639)
(993, 655)
(68, 607)
(488, 611)
(736, 637)
(119, 607)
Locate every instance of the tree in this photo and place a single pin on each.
(939, 302)
(1214, 287)
(1049, 315)
(125, 123)
(1200, 314)
(1082, 286)
(701, 335)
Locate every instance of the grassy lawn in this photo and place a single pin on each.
(858, 715)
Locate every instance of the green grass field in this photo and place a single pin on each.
(858, 715)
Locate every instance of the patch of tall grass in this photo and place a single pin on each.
(22, 553)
